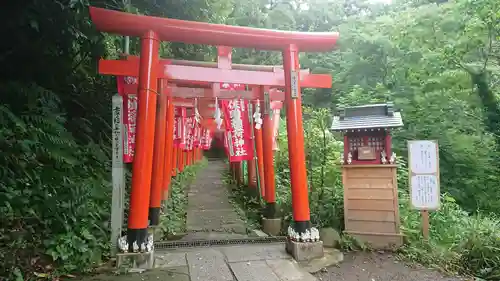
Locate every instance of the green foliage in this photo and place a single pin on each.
(54, 193)
(324, 175)
(428, 60)
(459, 242)
(246, 203)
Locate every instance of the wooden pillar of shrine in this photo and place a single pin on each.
(187, 159)
(174, 160)
(169, 149)
(252, 176)
(158, 159)
(238, 172)
(371, 205)
(180, 159)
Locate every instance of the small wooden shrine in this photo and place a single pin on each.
(369, 173)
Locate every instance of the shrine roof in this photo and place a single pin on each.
(373, 116)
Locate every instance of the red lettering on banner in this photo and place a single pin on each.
(238, 130)
(206, 139)
(189, 133)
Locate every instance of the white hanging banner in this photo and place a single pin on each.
(257, 117)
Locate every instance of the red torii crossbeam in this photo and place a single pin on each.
(183, 73)
(210, 34)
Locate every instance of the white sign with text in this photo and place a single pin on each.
(423, 157)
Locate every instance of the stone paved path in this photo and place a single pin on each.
(233, 263)
(210, 215)
(268, 262)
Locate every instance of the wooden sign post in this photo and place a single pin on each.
(118, 174)
(423, 158)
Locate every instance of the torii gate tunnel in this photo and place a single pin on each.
(177, 78)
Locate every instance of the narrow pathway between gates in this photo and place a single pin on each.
(210, 215)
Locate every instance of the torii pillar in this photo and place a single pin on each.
(169, 149)
(271, 223)
(143, 157)
(158, 177)
(300, 231)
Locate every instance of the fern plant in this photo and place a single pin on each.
(54, 193)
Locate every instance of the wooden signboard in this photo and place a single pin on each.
(423, 166)
(366, 153)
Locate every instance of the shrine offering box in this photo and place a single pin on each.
(369, 174)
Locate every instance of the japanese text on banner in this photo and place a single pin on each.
(179, 127)
(129, 116)
(238, 130)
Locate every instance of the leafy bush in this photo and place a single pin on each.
(458, 241)
(323, 170)
(54, 194)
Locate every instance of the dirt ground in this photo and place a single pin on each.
(362, 266)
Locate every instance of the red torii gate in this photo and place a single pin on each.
(149, 69)
(275, 97)
(224, 60)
